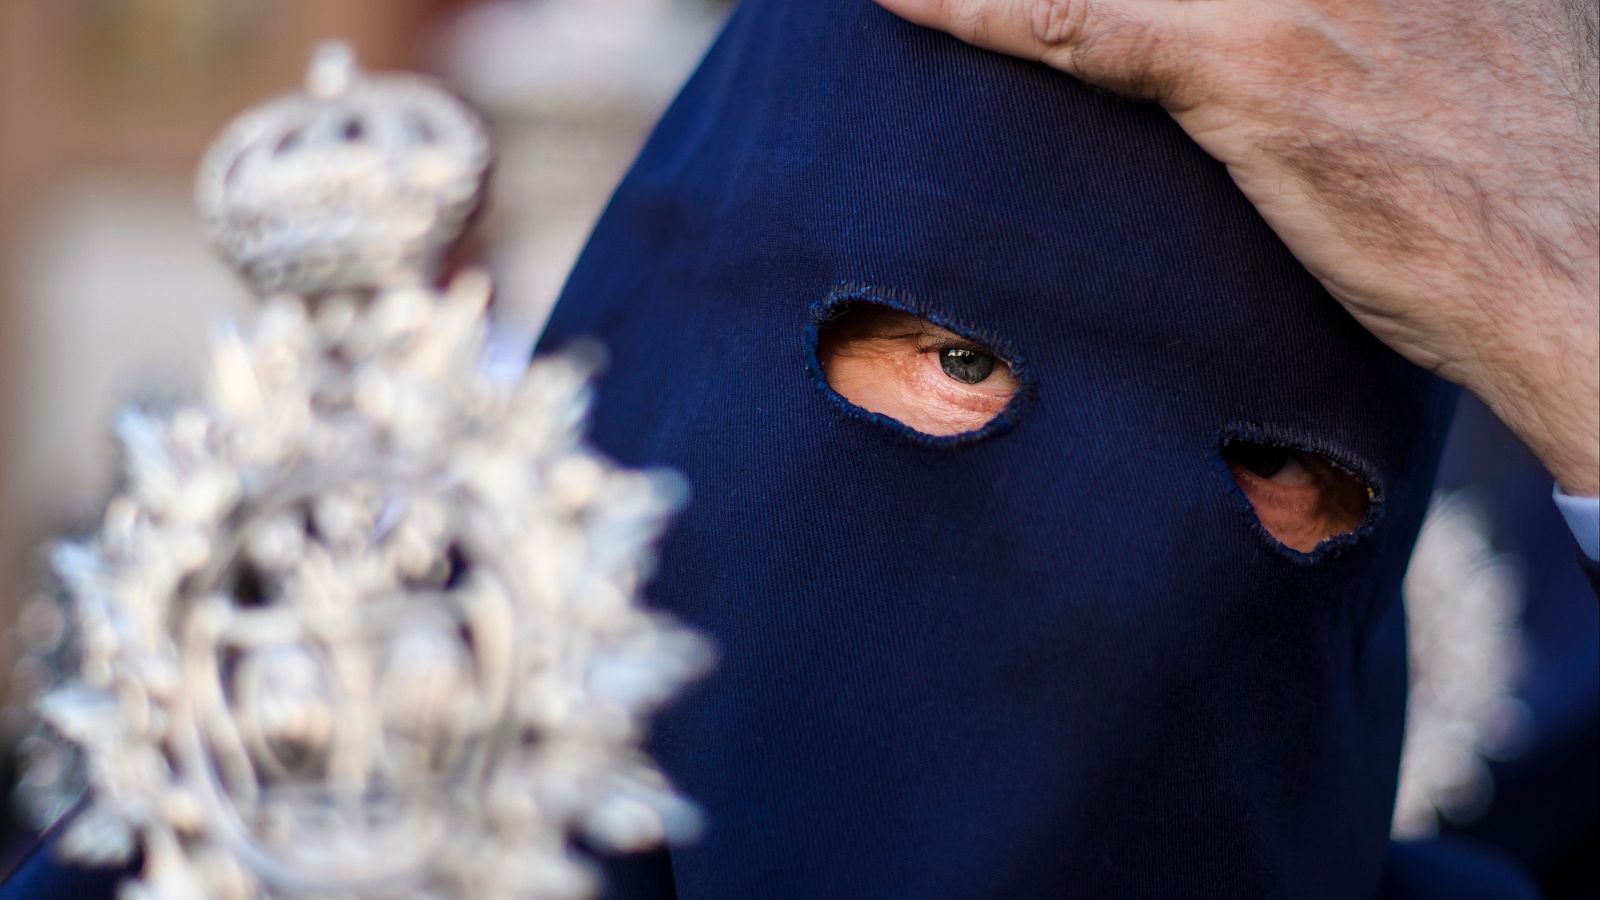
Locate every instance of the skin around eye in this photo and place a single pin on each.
(911, 370)
(1300, 498)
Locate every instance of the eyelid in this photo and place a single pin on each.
(929, 343)
(929, 339)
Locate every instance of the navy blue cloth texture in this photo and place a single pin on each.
(1057, 658)
(40, 876)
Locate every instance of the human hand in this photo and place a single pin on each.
(1435, 163)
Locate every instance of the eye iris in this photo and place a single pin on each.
(966, 366)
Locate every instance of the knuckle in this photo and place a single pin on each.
(1123, 54)
(1128, 59)
(1057, 23)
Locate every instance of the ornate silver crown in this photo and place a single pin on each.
(364, 623)
(358, 180)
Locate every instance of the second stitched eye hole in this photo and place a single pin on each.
(1301, 498)
(966, 366)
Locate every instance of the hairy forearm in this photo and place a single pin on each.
(1550, 396)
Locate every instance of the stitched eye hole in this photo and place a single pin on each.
(905, 367)
(1301, 498)
(966, 366)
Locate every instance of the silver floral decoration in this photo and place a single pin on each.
(364, 622)
(1463, 606)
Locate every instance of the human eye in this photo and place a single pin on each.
(923, 375)
(966, 365)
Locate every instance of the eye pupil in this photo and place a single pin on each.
(966, 366)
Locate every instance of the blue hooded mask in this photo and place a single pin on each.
(1054, 657)
(1057, 656)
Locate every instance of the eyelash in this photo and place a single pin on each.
(928, 344)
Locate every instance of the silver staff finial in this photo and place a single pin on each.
(364, 623)
(360, 181)
(332, 70)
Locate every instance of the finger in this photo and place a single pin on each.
(1134, 47)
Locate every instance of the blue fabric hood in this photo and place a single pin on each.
(1056, 658)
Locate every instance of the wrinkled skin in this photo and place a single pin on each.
(1435, 163)
(887, 361)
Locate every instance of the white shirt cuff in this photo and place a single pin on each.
(1583, 517)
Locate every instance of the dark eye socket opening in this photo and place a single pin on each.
(1264, 460)
(1301, 498)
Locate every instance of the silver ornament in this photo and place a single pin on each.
(364, 621)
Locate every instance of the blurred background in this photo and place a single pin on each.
(108, 293)
(108, 289)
